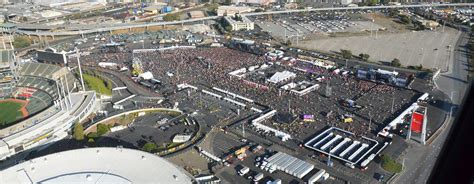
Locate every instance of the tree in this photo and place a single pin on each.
(372, 2)
(102, 129)
(228, 28)
(364, 57)
(92, 135)
(405, 19)
(78, 131)
(171, 17)
(150, 147)
(288, 42)
(21, 42)
(396, 62)
(346, 54)
(212, 8)
(419, 67)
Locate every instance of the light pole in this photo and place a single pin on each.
(80, 70)
(371, 28)
(393, 102)
(370, 121)
(243, 129)
(403, 163)
(449, 57)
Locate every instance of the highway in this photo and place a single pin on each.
(420, 160)
(108, 28)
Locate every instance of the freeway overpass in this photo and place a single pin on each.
(109, 28)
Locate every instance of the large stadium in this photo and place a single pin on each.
(106, 165)
(39, 103)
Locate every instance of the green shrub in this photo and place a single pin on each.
(102, 129)
(78, 132)
(92, 135)
(21, 42)
(150, 147)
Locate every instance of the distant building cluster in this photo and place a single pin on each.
(239, 23)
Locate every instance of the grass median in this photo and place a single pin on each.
(98, 84)
(390, 165)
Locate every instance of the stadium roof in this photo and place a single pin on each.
(96, 165)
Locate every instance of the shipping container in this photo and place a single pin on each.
(166, 9)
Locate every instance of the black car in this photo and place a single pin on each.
(378, 176)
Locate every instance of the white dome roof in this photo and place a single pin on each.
(96, 165)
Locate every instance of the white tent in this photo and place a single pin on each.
(146, 75)
(281, 76)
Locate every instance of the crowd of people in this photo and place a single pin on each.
(209, 67)
(200, 65)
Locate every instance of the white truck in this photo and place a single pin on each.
(258, 177)
(264, 163)
(243, 171)
(272, 169)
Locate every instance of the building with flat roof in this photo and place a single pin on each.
(239, 23)
(196, 14)
(255, 2)
(96, 165)
(155, 9)
(232, 10)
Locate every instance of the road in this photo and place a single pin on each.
(104, 28)
(420, 160)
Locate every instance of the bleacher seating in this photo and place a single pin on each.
(39, 101)
(43, 84)
(39, 75)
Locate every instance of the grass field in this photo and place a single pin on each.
(10, 112)
(97, 84)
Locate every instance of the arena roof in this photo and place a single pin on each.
(96, 165)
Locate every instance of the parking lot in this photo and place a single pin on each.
(428, 48)
(313, 24)
(156, 128)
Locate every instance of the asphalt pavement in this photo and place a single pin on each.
(419, 160)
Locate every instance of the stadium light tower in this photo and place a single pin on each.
(80, 70)
(59, 96)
